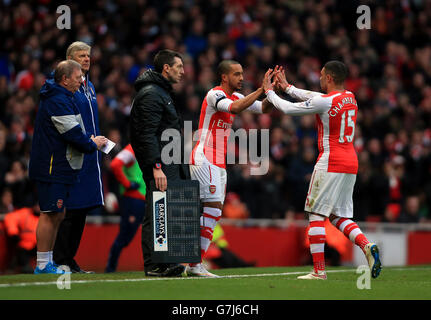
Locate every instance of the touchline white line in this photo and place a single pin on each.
(28, 284)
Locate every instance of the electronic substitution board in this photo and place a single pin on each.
(175, 217)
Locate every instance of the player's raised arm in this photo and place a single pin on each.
(241, 104)
(260, 107)
(281, 84)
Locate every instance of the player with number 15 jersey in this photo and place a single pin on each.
(334, 175)
(336, 114)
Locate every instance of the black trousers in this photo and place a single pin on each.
(69, 235)
(172, 172)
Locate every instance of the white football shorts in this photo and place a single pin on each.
(330, 192)
(212, 180)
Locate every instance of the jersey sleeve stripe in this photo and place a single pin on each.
(218, 100)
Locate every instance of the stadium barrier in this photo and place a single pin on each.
(260, 241)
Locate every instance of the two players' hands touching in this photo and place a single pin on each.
(275, 78)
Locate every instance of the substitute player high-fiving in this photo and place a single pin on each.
(207, 163)
(331, 185)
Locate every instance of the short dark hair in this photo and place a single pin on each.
(165, 57)
(65, 68)
(224, 67)
(337, 70)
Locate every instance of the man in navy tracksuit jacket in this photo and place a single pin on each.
(57, 155)
(86, 195)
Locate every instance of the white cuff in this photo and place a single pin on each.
(268, 91)
(289, 87)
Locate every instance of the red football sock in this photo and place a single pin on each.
(317, 237)
(352, 231)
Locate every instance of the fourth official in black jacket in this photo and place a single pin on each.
(153, 111)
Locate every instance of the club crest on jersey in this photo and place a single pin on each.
(212, 189)
(59, 203)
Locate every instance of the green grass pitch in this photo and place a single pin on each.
(275, 283)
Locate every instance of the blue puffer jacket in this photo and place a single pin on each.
(59, 139)
(88, 191)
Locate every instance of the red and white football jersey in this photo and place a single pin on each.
(336, 114)
(215, 126)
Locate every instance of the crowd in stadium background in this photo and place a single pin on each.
(390, 74)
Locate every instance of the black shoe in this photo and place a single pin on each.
(174, 270)
(156, 271)
(75, 268)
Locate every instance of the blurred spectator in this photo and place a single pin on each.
(392, 212)
(299, 176)
(411, 209)
(233, 208)
(19, 184)
(20, 228)
(278, 145)
(6, 204)
(196, 41)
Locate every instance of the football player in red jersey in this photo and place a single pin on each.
(331, 185)
(207, 163)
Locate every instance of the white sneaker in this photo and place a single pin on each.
(321, 275)
(200, 271)
(372, 253)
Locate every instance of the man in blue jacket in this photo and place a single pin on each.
(86, 195)
(57, 155)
